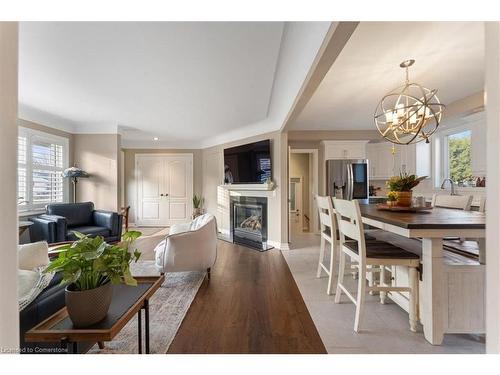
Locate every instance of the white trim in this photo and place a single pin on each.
(314, 228)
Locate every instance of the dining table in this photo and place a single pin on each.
(430, 227)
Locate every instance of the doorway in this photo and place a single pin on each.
(302, 191)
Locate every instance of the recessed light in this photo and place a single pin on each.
(156, 139)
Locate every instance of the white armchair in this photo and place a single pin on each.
(189, 247)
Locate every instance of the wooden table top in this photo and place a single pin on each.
(127, 301)
(437, 218)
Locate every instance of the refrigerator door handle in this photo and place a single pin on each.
(350, 182)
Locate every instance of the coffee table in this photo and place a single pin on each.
(127, 301)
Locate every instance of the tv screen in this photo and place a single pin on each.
(248, 164)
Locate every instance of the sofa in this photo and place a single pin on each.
(51, 299)
(189, 247)
(61, 220)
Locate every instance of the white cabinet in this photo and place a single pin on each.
(345, 149)
(384, 164)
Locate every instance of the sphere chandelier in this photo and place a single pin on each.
(410, 113)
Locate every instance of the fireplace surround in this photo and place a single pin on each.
(248, 221)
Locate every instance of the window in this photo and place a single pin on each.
(455, 157)
(41, 159)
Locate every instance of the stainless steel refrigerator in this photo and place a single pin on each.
(347, 179)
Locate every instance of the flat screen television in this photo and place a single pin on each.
(248, 164)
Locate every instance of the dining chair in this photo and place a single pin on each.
(328, 234)
(371, 253)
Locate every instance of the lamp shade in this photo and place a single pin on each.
(75, 172)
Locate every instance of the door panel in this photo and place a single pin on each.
(164, 189)
(178, 211)
(150, 185)
(177, 176)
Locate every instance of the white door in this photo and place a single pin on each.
(164, 189)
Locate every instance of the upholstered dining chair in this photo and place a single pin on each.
(370, 253)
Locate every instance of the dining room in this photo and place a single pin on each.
(422, 176)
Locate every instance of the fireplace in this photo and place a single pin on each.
(249, 221)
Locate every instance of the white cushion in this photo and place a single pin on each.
(200, 221)
(33, 255)
(179, 228)
(26, 281)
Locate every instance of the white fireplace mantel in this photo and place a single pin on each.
(250, 190)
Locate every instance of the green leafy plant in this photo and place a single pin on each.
(392, 196)
(197, 201)
(404, 182)
(89, 262)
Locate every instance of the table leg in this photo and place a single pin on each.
(139, 330)
(482, 250)
(146, 324)
(433, 298)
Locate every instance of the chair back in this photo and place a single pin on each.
(458, 202)
(76, 214)
(350, 223)
(482, 204)
(326, 216)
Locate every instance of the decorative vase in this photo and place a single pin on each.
(197, 212)
(88, 307)
(391, 203)
(404, 198)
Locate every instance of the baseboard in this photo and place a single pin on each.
(279, 245)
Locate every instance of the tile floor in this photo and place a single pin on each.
(385, 328)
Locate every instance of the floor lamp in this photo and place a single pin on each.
(75, 173)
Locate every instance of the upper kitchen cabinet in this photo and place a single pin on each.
(344, 149)
(384, 164)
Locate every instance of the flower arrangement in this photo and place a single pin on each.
(401, 187)
(404, 182)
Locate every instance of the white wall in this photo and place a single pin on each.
(493, 203)
(9, 310)
(99, 155)
(300, 44)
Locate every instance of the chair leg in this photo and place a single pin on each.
(413, 275)
(333, 258)
(208, 273)
(321, 256)
(382, 283)
(340, 280)
(360, 298)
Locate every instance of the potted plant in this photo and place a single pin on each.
(403, 185)
(89, 267)
(197, 205)
(392, 197)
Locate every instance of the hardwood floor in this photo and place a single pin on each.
(250, 305)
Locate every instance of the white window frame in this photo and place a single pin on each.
(32, 135)
(441, 161)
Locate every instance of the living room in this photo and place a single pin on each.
(158, 208)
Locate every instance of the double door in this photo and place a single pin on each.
(164, 189)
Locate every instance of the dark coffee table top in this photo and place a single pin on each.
(126, 302)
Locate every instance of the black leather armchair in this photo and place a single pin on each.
(62, 219)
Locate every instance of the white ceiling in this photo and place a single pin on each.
(181, 82)
(449, 57)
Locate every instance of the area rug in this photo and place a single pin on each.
(167, 309)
